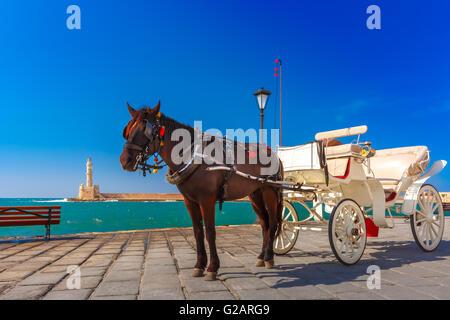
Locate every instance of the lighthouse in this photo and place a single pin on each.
(89, 172)
(89, 191)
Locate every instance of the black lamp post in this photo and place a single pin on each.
(262, 96)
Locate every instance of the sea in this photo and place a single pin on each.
(83, 217)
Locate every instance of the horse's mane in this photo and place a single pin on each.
(171, 125)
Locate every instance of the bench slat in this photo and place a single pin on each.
(12, 213)
(28, 217)
(26, 223)
(32, 208)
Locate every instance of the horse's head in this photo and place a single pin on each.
(143, 136)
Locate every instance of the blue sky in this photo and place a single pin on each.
(63, 92)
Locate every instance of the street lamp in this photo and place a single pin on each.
(262, 96)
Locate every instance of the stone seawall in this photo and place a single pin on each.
(138, 197)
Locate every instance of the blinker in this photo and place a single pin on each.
(148, 130)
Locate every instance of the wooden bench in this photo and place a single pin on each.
(446, 206)
(30, 216)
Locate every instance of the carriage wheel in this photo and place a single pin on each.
(347, 232)
(427, 222)
(288, 235)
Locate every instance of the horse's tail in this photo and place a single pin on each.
(280, 200)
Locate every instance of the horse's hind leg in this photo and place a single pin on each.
(260, 210)
(272, 200)
(208, 208)
(197, 223)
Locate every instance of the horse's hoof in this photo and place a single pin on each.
(260, 263)
(197, 273)
(211, 276)
(269, 264)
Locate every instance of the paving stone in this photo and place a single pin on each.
(158, 282)
(245, 283)
(92, 271)
(438, 292)
(306, 292)
(211, 295)
(131, 259)
(368, 295)
(200, 285)
(69, 262)
(53, 269)
(90, 282)
(24, 293)
(76, 294)
(123, 297)
(159, 261)
(338, 288)
(186, 263)
(310, 271)
(162, 294)
(127, 266)
(30, 266)
(43, 278)
(117, 288)
(13, 275)
(139, 253)
(97, 263)
(123, 275)
(226, 273)
(158, 255)
(398, 292)
(5, 285)
(262, 294)
(167, 270)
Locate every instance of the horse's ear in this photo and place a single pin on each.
(157, 107)
(154, 110)
(131, 110)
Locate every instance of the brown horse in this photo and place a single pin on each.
(149, 132)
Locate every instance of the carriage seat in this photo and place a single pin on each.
(390, 165)
(338, 158)
(343, 150)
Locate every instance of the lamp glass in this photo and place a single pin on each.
(262, 100)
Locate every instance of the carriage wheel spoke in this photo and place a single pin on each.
(421, 204)
(342, 245)
(289, 235)
(289, 215)
(421, 231)
(281, 239)
(436, 223)
(421, 220)
(434, 231)
(435, 207)
(421, 213)
(424, 234)
(428, 234)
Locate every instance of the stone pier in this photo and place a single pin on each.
(157, 264)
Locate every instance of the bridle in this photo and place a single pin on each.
(153, 133)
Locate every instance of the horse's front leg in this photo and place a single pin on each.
(197, 224)
(208, 212)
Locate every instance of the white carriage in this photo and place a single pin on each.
(360, 188)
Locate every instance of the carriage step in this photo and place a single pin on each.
(372, 229)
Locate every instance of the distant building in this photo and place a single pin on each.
(89, 191)
(445, 196)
